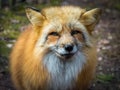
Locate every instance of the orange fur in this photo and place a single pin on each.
(27, 70)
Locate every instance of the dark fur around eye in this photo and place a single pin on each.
(54, 34)
(73, 32)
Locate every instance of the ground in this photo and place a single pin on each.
(108, 43)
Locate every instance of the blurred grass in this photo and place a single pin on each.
(117, 6)
(4, 49)
(104, 78)
(4, 53)
(11, 22)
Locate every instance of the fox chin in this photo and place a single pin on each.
(57, 51)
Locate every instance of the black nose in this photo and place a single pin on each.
(69, 47)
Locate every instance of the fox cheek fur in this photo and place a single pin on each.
(57, 51)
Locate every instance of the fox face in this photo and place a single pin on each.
(64, 32)
(64, 43)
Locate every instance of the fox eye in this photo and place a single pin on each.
(54, 34)
(73, 32)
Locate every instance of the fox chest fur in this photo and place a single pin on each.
(57, 51)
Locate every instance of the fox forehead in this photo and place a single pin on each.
(66, 27)
(63, 14)
(59, 26)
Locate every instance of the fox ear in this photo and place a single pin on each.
(35, 17)
(91, 18)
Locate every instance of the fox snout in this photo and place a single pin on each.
(66, 50)
(69, 47)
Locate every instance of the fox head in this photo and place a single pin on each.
(64, 30)
(63, 34)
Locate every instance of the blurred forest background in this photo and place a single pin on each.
(13, 21)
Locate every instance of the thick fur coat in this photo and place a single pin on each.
(56, 52)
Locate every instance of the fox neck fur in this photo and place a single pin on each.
(63, 74)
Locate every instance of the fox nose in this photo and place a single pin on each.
(69, 47)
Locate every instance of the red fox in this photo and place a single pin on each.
(57, 51)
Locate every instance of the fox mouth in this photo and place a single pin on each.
(65, 56)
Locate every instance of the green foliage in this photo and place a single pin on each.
(4, 55)
(105, 78)
(55, 2)
(117, 6)
(11, 22)
(11, 34)
(4, 51)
